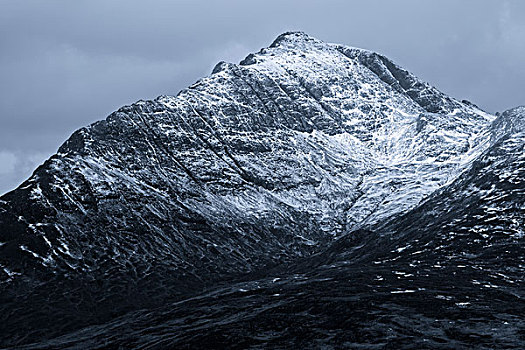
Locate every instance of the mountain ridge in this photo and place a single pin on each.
(254, 166)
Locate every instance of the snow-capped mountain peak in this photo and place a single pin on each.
(258, 164)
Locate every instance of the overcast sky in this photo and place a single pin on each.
(65, 64)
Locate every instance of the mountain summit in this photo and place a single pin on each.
(297, 151)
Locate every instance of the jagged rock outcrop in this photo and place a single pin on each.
(257, 165)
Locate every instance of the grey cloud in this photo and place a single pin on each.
(65, 64)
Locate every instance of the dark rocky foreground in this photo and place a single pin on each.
(313, 196)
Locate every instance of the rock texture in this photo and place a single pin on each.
(314, 161)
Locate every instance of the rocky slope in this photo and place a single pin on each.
(258, 166)
(446, 274)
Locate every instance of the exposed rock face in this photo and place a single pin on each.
(258, 165)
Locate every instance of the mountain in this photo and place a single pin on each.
(355, 183)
